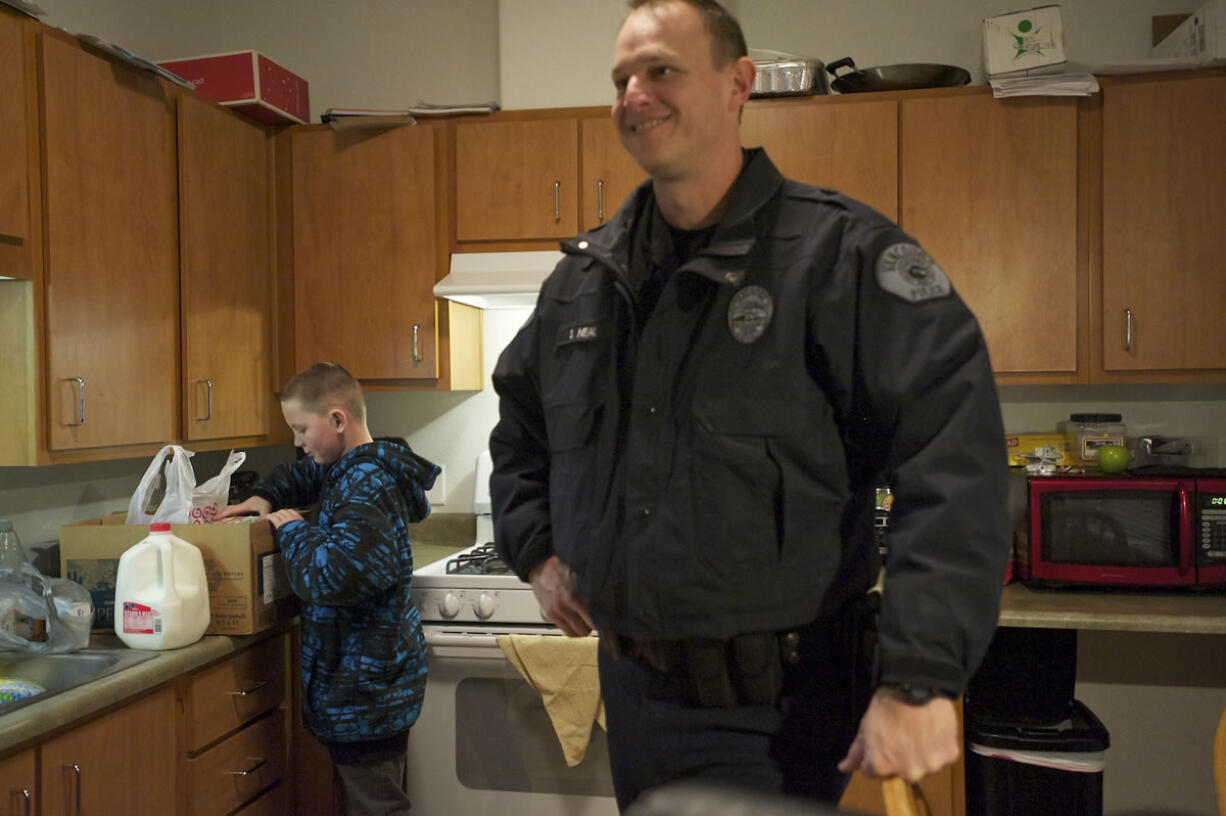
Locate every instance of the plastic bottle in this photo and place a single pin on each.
(12, 554)
(161, 592)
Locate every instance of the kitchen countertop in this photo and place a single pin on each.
(37, 720)
(1190, 612)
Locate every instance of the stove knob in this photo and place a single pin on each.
(449, 606)
(485, 605)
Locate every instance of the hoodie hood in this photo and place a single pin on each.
(414, 474)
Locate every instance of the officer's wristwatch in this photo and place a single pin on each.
(916, 695)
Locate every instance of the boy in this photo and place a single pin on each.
(363, 652)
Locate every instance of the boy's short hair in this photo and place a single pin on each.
(723, 29)
(323, 386)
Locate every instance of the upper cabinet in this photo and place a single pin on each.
(15, 130)
(848, 145)
(1163, 212)
(516, 179)
(112, 274)
(365, 250)
(226, 238)
(990, 189)
(609, 173)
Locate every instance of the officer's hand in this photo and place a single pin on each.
(254, 506)
(556, 590)
(898, 739)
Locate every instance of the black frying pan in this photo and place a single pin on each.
(903, 77)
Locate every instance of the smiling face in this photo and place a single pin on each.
(676, 111)
(321, 436)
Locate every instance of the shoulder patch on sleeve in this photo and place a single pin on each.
(908, 272)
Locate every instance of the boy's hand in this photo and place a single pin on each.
(282, 517)
(254, 506)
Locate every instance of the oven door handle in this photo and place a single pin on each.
(452, 644)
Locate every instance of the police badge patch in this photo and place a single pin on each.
(910, 273)
(749, 313)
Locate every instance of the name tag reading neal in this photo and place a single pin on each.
(578, 333)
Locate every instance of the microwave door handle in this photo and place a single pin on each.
(1185, 532)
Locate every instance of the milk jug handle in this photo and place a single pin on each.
(166, 575)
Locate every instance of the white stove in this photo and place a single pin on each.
(475, 586)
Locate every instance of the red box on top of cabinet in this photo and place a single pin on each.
(248, 82)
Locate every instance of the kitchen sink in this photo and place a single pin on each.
(57, 673)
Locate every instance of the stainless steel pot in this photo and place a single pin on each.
(780, 74)
(902, 77)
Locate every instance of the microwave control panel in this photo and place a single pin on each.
(1210, 532)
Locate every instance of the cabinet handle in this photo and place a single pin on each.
(260, 762)
(416, 342)
(557, 202)
(252, 690)
(76, 770)
(25, 795)
(80, 401)
(1128, 330)
(600, 200)
(208, 410)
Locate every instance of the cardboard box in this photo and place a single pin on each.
(1024, 42)
(248, 82)
(1201, 37)
(248, 591)
(1020, 447)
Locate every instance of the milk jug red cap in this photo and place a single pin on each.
(159, 527)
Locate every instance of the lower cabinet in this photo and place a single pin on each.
(235, 731)
(19, 784)
(122, 762)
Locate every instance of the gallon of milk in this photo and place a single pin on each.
(161, 593)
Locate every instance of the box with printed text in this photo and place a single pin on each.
(248, 82)
(1201, 37)
(1024, 42)
(248, 590)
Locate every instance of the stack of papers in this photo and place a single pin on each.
(25, 7)
(133, 59)
(1049, 85)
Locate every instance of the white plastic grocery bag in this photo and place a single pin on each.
(183, 502)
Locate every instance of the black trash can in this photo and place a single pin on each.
(1020, 769)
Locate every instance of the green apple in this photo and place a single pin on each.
(1113, 459)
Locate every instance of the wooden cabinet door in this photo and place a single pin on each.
(851, 146)
(224, 697)
(610, 174)
(226, 229)
(112, 291)
(14, 128)
(989, 188)
(365, 251)
(18, 785)
(1164, 208)
(123, 762)
(517, 179)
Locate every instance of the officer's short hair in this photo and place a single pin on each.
(727, 39)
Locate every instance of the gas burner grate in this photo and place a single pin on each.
(482, 560)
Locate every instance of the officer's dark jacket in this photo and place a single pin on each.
(709, 470)
(363, 652)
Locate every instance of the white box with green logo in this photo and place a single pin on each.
(1024, 42)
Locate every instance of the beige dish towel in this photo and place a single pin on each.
(563, 671)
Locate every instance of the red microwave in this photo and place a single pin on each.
(1125, 531)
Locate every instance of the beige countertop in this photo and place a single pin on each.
(1188, 612)
(36, 720)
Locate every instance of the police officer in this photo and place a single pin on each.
(693, 423)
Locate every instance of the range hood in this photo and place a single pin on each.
(497, 280)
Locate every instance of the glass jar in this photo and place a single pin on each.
(12, 554)
(1089, 432)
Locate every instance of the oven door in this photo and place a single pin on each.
(485, 745)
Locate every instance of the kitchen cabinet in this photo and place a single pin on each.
(851, 146)
(315, 791)
(364, 250)
(18, 785)
(226, 236)
(990, 189)
(111, 225)
(15, 130)
(1163, 274)
(235, 730)
(122, 762)
(609, 173)
(516, 179)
